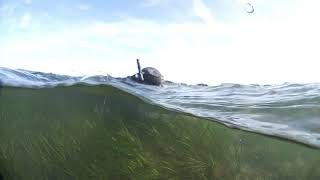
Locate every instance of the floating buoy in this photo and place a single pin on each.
(248, 7)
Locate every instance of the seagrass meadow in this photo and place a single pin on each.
(101, 132)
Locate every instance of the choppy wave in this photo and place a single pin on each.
(290, 111)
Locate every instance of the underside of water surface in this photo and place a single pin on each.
(101, 132)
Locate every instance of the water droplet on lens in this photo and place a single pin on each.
(248, 7)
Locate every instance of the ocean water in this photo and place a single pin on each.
(100, 127)
(290, 111)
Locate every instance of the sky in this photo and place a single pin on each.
(190, 41)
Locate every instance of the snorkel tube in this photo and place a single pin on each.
(140, 76)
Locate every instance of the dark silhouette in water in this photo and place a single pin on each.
(148, 75)
(202, 84)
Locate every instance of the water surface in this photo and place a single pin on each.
(290, 111)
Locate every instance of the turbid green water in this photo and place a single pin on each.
(100, 132)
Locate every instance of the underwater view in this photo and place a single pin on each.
(63, 127)
(159, 90)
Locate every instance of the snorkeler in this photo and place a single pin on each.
(148, 75)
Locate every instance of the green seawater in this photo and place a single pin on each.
(100, 132)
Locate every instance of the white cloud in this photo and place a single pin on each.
(25, 21)
(150, 3)
(27, 1)
(202, 11)
(83, 7)
(183, 52)
(153, 3)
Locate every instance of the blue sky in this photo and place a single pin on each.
(210, 41)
